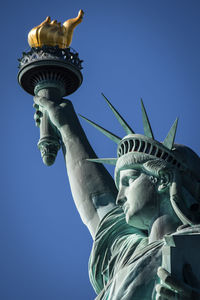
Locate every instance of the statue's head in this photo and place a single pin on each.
(154, 178)
(149, 185)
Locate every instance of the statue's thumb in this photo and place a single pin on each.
(43, 102)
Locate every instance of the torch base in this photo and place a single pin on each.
(50, 64)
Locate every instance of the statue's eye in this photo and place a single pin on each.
(133, 176)
(131, 179)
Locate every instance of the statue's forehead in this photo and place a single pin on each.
(135, 171)
(131, 169)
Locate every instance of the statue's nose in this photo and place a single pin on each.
(121, 198)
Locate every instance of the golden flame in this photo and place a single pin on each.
(52, 33)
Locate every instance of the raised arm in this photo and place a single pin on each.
(92, 187)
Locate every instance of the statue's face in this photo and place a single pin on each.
(138, 197)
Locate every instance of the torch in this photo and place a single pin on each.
(50, 69)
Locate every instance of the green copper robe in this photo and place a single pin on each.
(122, 264)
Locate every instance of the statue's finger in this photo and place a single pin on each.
(39, 113)
(36, 117)
(43, 102)
(37, 120)
(37, 100)
(167, 293)
(175, 284)
(36, 106)
(37, 124)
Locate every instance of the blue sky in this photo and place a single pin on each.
(131, 49)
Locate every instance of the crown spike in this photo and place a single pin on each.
(123, 123)
(146, 124)
(109, 134)
(169, 140)
(109, 161)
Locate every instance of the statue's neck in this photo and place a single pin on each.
(163, 225)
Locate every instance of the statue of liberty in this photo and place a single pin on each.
(158, 195)
(153, 199)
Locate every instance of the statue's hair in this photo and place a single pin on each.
(154, 166)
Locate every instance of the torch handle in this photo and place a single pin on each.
(49, 142)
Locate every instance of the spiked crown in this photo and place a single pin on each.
(146, 144)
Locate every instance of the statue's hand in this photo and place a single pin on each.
(172, 289)
(57, 111)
